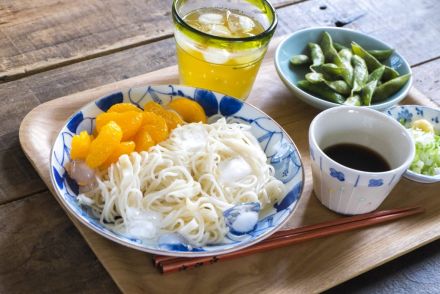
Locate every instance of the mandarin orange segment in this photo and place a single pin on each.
(104, 145)
(124, 107)
(143, 140)
(152, 106)
(188, 109)
(156, 126)
(171, 118)
(80, 145)
(122, 148)
(129, 122)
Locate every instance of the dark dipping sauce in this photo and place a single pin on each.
(357, 157)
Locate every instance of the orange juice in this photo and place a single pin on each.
(217, 49)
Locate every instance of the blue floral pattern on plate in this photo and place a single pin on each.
(281, 152)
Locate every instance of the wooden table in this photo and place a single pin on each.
(53, 48)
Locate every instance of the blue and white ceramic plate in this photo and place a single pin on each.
(406, 114)
(281, 152)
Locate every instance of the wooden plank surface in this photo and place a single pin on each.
(38, 35)
(295, 269)
(410, 27)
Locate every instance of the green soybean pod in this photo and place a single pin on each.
(367, 92)
(339, 86)
(353, 100)
(389, 88)
(330, 53)
(321, 91)
(339, 46)
(316, 54)
(372, 62)
(376, 75)
(345, 55)
(360, 73)
(381, 55)
(330, 71)
(299, 59)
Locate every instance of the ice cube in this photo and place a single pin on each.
(240, 23)
(211, 18)
(216, 55)
(219, 30)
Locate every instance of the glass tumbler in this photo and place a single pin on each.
(220, 44)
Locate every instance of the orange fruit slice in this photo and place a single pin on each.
(104, 145)
(188, 109)
(129, 122)
(124, 107)
(172, 119)
(143, 140)
(156, 126)
(80, 145)
(122, 148)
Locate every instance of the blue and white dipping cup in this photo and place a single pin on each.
(346, 190)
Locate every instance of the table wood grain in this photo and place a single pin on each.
(50, 49)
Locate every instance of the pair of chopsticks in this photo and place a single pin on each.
(169, 264)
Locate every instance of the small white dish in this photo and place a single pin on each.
(346, 190)
(406, 114)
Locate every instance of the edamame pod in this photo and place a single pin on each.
(372, 62)
(316, 54)
(339, 86)
(323, 92)
(345, 55)
(360, 73)
(381, 55)
(330, 53)
(330, 70)
(367, 92)
(376, 75)
(389, 88)
(353, 100)
(299, 59)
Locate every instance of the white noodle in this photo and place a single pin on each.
(176, 186)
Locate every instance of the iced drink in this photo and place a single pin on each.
(221, 48)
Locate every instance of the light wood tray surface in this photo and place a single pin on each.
(308, 267)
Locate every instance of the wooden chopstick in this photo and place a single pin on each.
(168, 264)
(158, 259)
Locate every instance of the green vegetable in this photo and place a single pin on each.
(299, 59)
(376, 75)
(372, 62)
(338, 86)
(381, 55)
(353, 100)
(389, 88)
(316, 54)
(321, 90)
(360, 73)
(367, 92)
(330, 53)
(346, 55)
(427, 158)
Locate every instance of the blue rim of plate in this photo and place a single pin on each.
(230, 107)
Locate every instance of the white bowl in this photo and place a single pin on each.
(346, 190)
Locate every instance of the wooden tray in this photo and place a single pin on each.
(308, 267)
